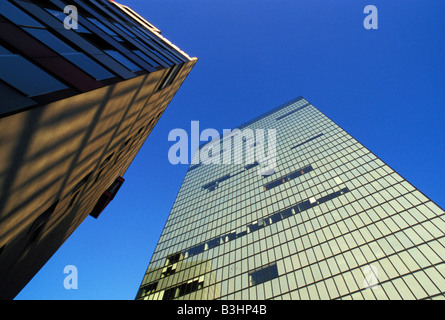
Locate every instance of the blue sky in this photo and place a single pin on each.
(385, 87)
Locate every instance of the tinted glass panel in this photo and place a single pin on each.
(124, 61)
(36, 82)
(17, 16)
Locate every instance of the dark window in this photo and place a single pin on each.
(146, 58)
(288, 177)
(190, 287)
(304, 205)
(170, 77)
(194, 167)
(102, 26)
(308, 140)
(174, 258)
(212, 185)
(254, 227)
(263, 274)
(275, 217)
(249, 166)
(213, 243)
(183, 289)
(126, 142)
(148, 289)
(167, 271)
(231, 236)
(170, 294)
(199, 248)
(286, 213)
(196, 249)
(106, 197)
(241, 234)
(293, 111)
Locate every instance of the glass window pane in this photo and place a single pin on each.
(62, 16)
(36, 82)
(146, 58)
(119, 57)
(102, 26)
(17, 16)
(89, 65)
(50, 40)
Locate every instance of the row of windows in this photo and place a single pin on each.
(271, 219)
(38, 81)
(308, 140)
(212, 185)
(183, 289)
(293, 111)
(288, 177)
(284, 196)
(285, 158)
(417, 285)
(325, 267)
(329, 237)
(363, 203)
(233, 185)
(305, 104)
(332, 240)
(242, 182)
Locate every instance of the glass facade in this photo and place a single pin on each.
(331, 221)
(109, 43)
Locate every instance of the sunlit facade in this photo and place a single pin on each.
(82, 85)
(332, 221)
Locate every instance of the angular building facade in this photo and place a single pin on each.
(329, 220)
(82, 85)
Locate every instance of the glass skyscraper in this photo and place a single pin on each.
(330, 220)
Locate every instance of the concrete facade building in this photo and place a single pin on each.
(82, 85)
(330, 220)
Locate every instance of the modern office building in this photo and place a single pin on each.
(322, 218)
(82, 85)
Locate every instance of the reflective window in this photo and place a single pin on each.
(146, 58)
(263, 274)
(50, 40)
(77, 58)
(102, 26)
(36, 82)
(124, 61)
(59, 14)
(17, 16)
